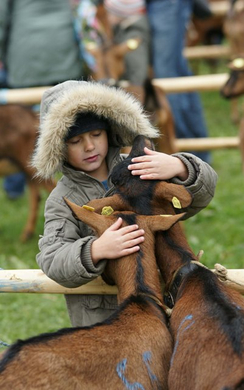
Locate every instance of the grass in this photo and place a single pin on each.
(24, 315)
(217, 230)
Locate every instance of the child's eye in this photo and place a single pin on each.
(73, 141)
(96, 134)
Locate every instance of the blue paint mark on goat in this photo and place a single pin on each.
(180, 332)
(121, 367)
(147, 359)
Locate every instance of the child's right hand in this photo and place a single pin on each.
(117, 241)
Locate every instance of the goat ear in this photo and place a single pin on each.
(79, 211)
(114, 201)
(86, 214)
(175, 193)
(164, 222)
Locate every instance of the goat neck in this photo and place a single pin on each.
(136, 273)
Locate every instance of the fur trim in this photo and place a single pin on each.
(61, 104)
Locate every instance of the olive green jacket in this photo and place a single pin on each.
(65, 244)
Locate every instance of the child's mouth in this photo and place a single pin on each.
(92, 158)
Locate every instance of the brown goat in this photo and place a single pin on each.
(132, 349)
(233, 88)
(18, 132)
(207, 30)
(207, 322)
(234, 29)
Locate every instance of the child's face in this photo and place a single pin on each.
(87, 152)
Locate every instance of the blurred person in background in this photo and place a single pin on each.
(168, 21)
(128, 20)
(37, 48)
(104, 23)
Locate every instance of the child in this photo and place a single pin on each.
(83, 125)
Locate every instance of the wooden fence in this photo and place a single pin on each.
(35, 281)
(170, 85)
(212, 82)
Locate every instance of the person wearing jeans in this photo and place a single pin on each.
(168, 21)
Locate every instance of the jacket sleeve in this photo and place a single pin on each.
(201, 182)
(65, 247)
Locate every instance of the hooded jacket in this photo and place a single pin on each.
(65, 245)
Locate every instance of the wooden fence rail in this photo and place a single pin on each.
(170, 85)
(35, 281)
(220, 8)
(210, 143)
(210, 82)
(207, 51)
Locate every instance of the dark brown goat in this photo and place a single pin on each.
(207, 322)
(234, 28)
(206, 31)
(233, 88)
(132, 349)
(18, 132)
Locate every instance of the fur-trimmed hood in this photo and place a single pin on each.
(61, 104)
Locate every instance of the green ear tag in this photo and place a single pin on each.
(107, 210)
(176, 202)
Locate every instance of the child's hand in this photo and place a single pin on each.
(117, 241)
(158, 166)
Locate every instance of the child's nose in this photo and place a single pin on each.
(89, 145)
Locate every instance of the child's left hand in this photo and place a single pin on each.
(158, 166)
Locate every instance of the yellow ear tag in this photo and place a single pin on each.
(176, 202)
(238, 62)
(132, 44)
(166, 215)
(107, 210)
(88, 207)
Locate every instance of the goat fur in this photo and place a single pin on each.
(233, 88)
(18, 133)
(207, 321)
(132, 349)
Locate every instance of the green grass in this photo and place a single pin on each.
(218, 230)
(24, 315)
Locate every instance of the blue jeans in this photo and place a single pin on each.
(168, 20)
(14, 185)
